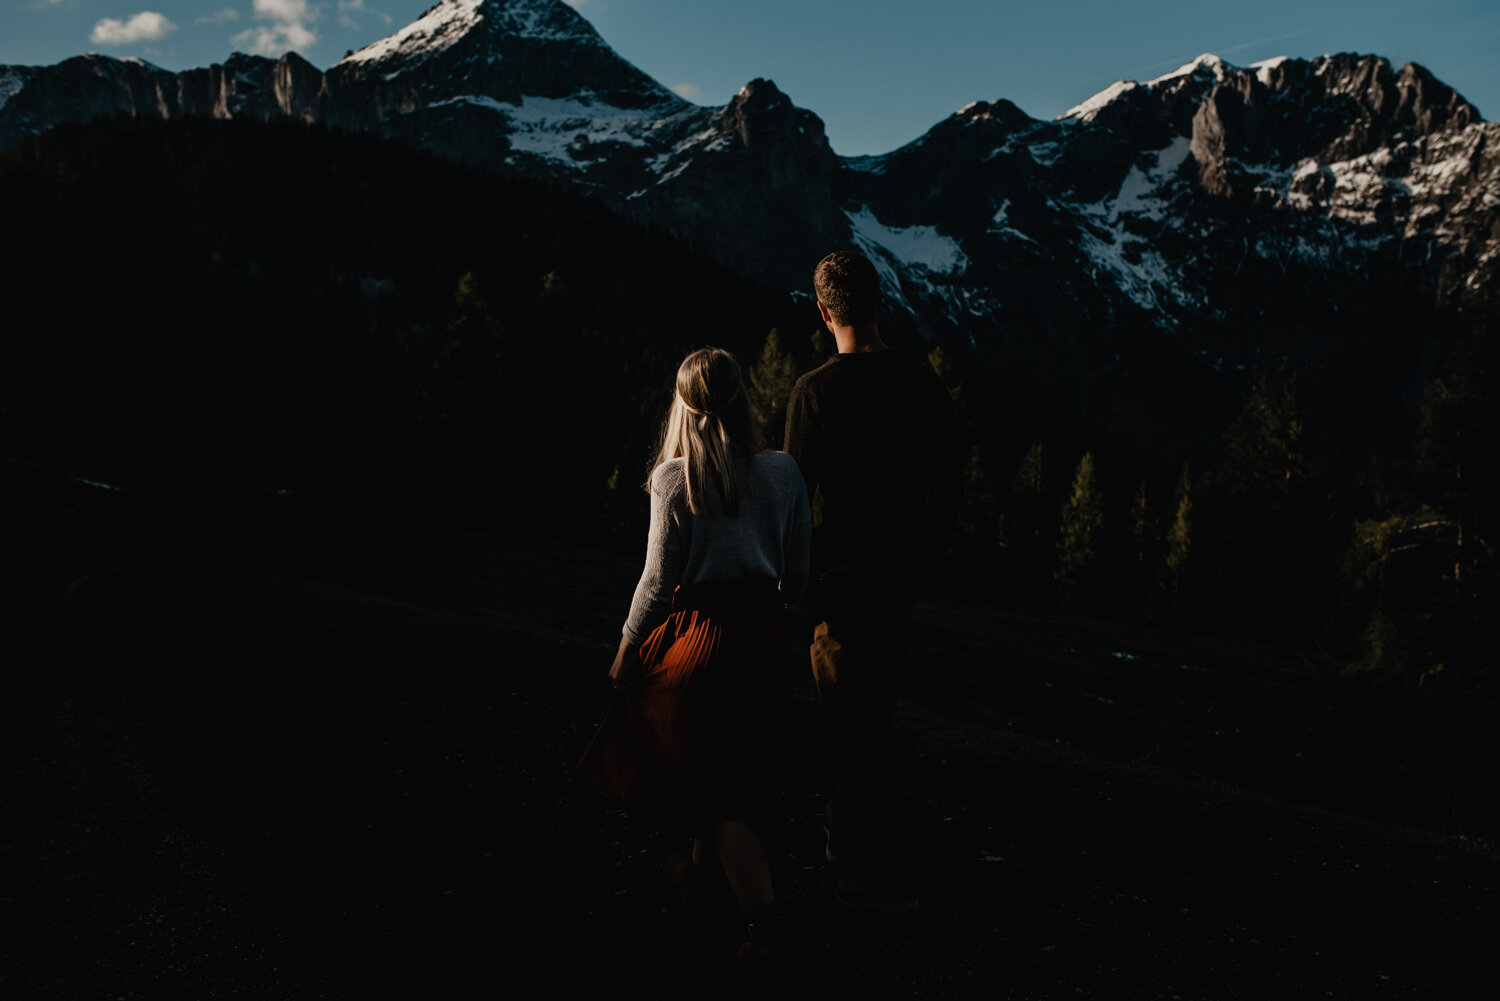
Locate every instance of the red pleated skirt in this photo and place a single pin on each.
(699, 742)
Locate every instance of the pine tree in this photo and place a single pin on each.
(1082, 524)
(1143, 548)
(1179, 542)
(1424, 579)
(1140, 526)
(979, 517)
(820, 345)
(1264, 456)
(1030, 484)
(1270, 534)
(465, 369)
(1026, 521)
(771, 382)
(1457, 455)
(937, 358)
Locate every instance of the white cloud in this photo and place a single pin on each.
(288, 28)
(143, 27)
(275, 40)
(348, 8)
(691, 91)
(283, 11)
(219, 16)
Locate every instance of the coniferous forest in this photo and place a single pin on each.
(354, 336)
(297, 341)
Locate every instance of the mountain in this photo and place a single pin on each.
(1130, 262)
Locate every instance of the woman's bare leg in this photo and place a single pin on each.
(745, 864)
(700, 851)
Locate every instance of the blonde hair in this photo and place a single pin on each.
(709, 426)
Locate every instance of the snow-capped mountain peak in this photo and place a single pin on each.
(448, 22)
(1207, 64)
(438, 28)
(1207, 69)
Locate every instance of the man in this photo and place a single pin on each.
(874, 434)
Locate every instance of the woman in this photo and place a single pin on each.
(703, 659)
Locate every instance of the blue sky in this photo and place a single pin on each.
(878, 72)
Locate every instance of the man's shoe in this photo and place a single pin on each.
(687, 879)
(888, 893)
(828, 851)
(763, 938)
(836, 844)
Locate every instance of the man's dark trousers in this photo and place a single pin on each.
(858, 656)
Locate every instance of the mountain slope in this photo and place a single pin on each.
(1129, 260)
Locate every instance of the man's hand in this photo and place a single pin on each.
(627, 669)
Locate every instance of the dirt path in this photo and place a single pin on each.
(353, 778)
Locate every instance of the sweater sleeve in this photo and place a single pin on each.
(801, 434)
(798, 544)
(653, 593)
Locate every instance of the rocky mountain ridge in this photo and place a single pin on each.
(1171, 233)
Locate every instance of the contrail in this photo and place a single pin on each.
(1263, 41)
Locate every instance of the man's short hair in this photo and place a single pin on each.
(848, 284)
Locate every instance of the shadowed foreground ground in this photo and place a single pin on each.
(350, 776)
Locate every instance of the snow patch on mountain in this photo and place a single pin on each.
(1045, 153)
(1265, 66)
(918, 246)
(1447, 162)
(437, 29)
(1000, 224)
(11, 83)
(1361, 188)
(567, 129)
(1045, 150)
(1138, 269)
(708, 140)
(1412, 183)
(1088, 110)
(909, 254)
(1132, 261)
(1140, 191)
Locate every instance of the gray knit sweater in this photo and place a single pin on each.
(768, 538)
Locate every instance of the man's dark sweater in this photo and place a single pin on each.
(875, 437)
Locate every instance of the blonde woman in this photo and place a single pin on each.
(703, 663)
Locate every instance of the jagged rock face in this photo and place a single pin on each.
(1131, 261)
(1331, 109)
(88, 87)
(755, 185)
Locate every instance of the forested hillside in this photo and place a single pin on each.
(358, 337)
(292, 308)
